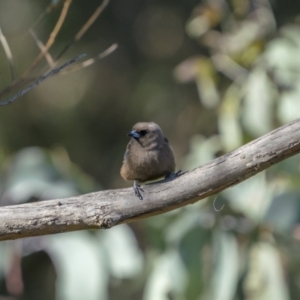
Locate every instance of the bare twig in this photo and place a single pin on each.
(91, 20)
(90, 61)
(48, 10)
(8, 54)
(85, 27)
(42, 48)
(51, 39)
(41, 79)
(106, 209)
(24, 79)
(16, 84)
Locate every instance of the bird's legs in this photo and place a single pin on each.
(137, 190)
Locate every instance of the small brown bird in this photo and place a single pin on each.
(148, 156)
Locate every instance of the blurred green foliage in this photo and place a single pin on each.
(214, 75)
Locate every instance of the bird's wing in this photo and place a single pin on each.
(127, 151)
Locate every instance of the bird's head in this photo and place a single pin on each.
(147, 135)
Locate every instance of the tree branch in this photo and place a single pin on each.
(112, 207)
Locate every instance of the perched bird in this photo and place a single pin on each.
(148, 156)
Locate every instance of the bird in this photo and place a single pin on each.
(148, 156)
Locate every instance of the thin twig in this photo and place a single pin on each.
(42, 48)
(8, 54)
(90, 61)
(41, 79)
(48, 10)
(17, 83)
(91, 20)
(85, 27)
(51, 39)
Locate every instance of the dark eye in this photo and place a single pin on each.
(143, 132)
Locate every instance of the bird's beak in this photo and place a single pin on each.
(134, 134)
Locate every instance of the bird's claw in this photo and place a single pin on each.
(137, 190)
(174, 175)
(179, 173)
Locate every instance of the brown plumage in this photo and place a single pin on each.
(148, 155)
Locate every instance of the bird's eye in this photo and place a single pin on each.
(143, 132)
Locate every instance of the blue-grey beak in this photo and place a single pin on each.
(134, 134)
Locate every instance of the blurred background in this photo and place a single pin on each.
(214, 75)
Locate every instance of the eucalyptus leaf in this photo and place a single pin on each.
(258, 102)
(289, 105)
(251, 197)
(283, 213)
(81, 265)
(167, 279)
(226, 266)
(229, 119)
(202, 151)
(124, 256)
(265, 278)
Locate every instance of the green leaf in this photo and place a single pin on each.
(124, 256)
(258, 103)
(167, 279)
(251, 197)
(80, 262)
(226, 270)
(265, 278)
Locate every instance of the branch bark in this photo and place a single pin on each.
(105, 209)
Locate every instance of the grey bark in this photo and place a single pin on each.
(105, 209)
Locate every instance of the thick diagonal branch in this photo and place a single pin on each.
(112, 207)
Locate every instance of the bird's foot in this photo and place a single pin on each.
(137, 190)
(173, 175)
